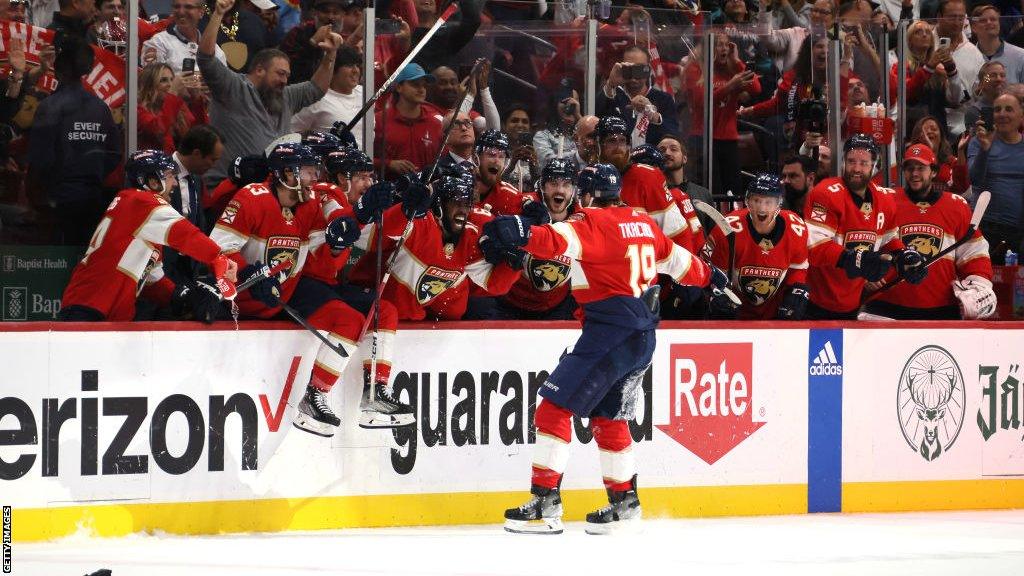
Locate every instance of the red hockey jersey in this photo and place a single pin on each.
(427, 269)
(928, 227)
(618, 251)
(124, 254)
(321, 264)
(762, 265)
(644, 187)
(692, 237)
(836, 221)
(255, 227)
(503, 200)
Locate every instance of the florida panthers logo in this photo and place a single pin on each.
(860, 240)
(284, 249)
(926, 239)
(433, 281)
(759, 283)
(546, 275)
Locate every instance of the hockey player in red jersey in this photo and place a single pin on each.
(123, 257)
(493, 194)
(852, 236)
(929, 218)
(281, 220)
(643, 186)
(767, 260)
(617, 253)
(439, 255)
(542, 291)
(692, 238)
(351, 180)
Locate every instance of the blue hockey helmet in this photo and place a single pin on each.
(765, 184)
(600, 181)
(346, 161)
(647, 154)
(291, 157)
(145, 165)
(610, 126)
(492, 139)
(321, 143)
(248, 169)
(559, 169)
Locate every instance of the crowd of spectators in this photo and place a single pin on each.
(222, 79)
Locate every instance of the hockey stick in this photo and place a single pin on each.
(305, 324)
(263, 273)
(441, 21)
(979, 212)
(411, 221)
(723, 226)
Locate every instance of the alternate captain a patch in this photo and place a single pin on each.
(433, 282)
(283, 249)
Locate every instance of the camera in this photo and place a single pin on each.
(568, 108)
(387, 26)
(636, 72)
(813, 113)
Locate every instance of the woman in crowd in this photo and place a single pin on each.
(933, 83)
(163, 116)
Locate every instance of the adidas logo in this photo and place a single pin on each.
(826, 363)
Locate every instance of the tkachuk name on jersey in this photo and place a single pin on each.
(826, 364)
(635, 230)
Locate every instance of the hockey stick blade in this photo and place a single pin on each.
(302, 321)
(711, 212)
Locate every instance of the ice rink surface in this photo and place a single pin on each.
(932, 544)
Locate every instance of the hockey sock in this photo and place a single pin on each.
(385, 343)
(342, 324)
(617, 463)
(551, 452)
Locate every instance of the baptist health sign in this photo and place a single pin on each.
(33, 280)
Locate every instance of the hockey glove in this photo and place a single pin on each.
(721, 300)
(866, 264)
(793, 304)
(341, 232)
(508, 231)
(201, 298)
(374, 201)
(416, 199)
(268, 291)
(975, 296)
(910, 266)
(340, 129)
(536, 213)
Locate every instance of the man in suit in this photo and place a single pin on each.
(649, 113)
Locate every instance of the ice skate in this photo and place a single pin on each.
(384, 410)
(541, 515)
(314, 414)
(621, 514)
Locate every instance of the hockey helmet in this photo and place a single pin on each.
(144, 165)
(600, 181)
(765, 184)
(492, 139)
(610, 126)
(861, 142)
(346, 161)
(248, 169)
(321, 143)
(291, 157)
(454, 188)
(559, 169)
(647, 154)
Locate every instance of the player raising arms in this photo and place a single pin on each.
(768, 257)
(617, 253)
(852, 236)
(280, 220)
(123, 257)
(929, 219)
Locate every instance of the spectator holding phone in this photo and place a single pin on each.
(556, 140)
(163, 117)
(177, 45)
(933, 81)
(968, 59)
(649, 113)
(523, 169)
(994, 161)
(991, 83)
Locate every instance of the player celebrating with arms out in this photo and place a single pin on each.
(123, 257)
(929, 219)
(852, 236)
(768, 256)
(618, 252)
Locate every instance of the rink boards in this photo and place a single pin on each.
(182, 429)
